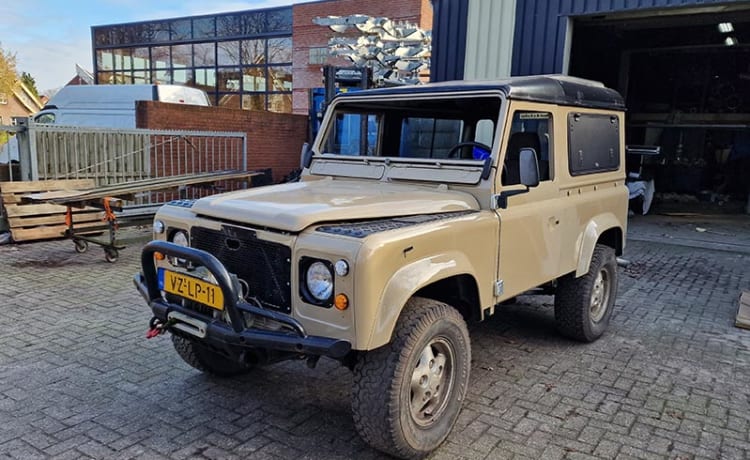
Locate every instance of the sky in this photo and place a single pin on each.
(49, 37)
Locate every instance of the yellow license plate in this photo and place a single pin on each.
(192, 288)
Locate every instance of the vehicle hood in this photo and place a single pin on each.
(295, 206)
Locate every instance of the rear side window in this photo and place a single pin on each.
(593, 143)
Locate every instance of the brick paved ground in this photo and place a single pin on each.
(669, 379)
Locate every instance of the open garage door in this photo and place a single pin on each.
(685, 76)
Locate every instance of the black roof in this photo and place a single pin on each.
(554, 89)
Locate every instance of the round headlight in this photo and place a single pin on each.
(159, 227)
(319, 280)
(180, 238)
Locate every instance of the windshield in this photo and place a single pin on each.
(439, 128)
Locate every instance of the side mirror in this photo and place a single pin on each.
(528, 167)
(306, 156)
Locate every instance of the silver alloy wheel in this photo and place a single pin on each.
(600, 295)
(432, 381)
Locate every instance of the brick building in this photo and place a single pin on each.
(274, 140)
(21, 102)
(266, 59)
(310, 41)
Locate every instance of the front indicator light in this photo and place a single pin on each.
(341, 302)
(158, 256)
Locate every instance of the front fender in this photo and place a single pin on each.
(589, 237)
(404, 283)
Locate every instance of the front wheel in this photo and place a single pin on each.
(408, 393)
(584, 305)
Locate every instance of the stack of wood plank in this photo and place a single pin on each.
(30, 222)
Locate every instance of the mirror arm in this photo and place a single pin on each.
(502, 198)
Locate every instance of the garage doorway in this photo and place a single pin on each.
(685, 76)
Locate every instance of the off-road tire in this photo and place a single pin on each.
(382, 403)
(206, 360)
(576, 313)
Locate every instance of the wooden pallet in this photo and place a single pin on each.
(30, 222)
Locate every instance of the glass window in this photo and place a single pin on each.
(102, 36)
(429, 137)
(203, 54)
(123, 78)
(104, 60)
(122, 35)
(204, 27)
(160, 31)
(182, 76)
(141, 76)
(182, 56)
(160, 57)
(230, 100)
(280, 20)
(122, 58)
(280, 78)
(229, 79)
(228, 53)
(279, 50)
(180, 29)
(104, 78)
(253, 52)
(161, 76)
(235, 25)
(318, 55)
(355, 134)
(254, 79)
(280, 103)
(150, 32)
(529, 129)
(141, 58)
(205, 79)
(254, 101)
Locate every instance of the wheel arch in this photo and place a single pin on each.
(603, 229)
(448, 278)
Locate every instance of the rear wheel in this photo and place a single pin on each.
(583, 306)
(408, 393)
(206, 360)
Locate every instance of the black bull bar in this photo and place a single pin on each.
(217, 332)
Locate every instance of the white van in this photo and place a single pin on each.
(111, 106)
(103, 106)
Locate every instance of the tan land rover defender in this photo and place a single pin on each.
(419, 209)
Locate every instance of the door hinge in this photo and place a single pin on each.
(499, 288)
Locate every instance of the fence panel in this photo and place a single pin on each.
(111, 156)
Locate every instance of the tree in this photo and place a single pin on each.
(8, 75)
(30, 83)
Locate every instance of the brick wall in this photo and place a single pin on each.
(274, 140)
(306, 35)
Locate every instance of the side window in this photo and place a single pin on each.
(529, 129)
(45, 118)
(593, 143)
(355, 134)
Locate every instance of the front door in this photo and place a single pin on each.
(530, 232)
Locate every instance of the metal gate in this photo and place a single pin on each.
(118, 155)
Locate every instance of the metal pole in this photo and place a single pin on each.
(29, 169)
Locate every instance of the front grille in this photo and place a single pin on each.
(263, 265)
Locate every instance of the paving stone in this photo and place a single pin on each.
(667, 380)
